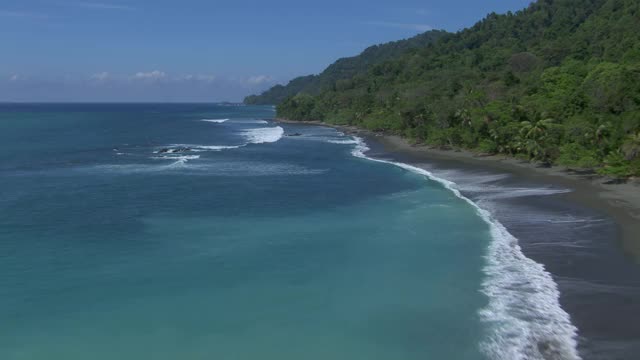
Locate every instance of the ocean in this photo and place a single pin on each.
(192, 231)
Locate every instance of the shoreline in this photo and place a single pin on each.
(618, 200)
(585, 237)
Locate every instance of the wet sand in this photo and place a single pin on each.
(587, 237)
(619, 200)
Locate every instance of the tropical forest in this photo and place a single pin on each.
(557, 83)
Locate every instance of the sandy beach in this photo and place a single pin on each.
(618, 199)
(594, 264)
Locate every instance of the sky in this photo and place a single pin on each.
(198, 50)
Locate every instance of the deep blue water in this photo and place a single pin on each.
(144, 232)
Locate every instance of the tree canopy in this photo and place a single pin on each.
(557, 82)
(343, 69)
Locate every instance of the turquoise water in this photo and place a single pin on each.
(144, 232)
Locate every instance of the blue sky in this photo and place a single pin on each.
(198, 50)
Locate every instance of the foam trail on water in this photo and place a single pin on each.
(344, 142)
(524, 315)
(215, 147)
(253, 136)
(179, 158)
(217, 121)
(200, 148)
(264, 135)
(179, 164)
(220, 169)
(252, 121)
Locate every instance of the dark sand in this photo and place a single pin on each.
(593, 261)
(619, 200)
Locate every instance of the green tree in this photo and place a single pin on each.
(631, 147)
(484, 88)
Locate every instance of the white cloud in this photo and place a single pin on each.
(104, 6)
(14, 77)
(152, 75)
(101, 76)
(416, 27)
(202, 78)
(259, 79)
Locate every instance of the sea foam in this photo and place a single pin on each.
(219, 169)
(524, 316)
(217, 121)
(200, 148)
(252, 121)
(178, 158)
(344, 142)
(253, 136)
(264, 135)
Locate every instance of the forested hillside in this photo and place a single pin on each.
(344, 68)
(558, 82)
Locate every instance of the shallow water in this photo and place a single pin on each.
(142, 231)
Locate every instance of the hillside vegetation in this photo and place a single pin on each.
(344, 68)
(557, 82)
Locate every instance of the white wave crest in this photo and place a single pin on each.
(167, 151)
(201, 148)
(215, 147)
(344, 142)
(253, 121)
(524, 314)
(217, 121)
(264, 135)
(179, 158)
(253, 136)
(141, 168)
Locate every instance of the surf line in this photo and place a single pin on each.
(524, 315)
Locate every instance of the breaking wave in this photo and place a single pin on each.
(252, 121)
(344, 142)
(252, 136)
(178, 158)
(264, 135)
(524, 315)
(217, 121)
(200, 148)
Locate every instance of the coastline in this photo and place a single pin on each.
(594, 262)
(620, 201)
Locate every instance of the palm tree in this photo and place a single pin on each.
(533, 135)
(602, 132)
(463, 117)
(535, 130)
(631, 147)
(497, 138)
(535, 149)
